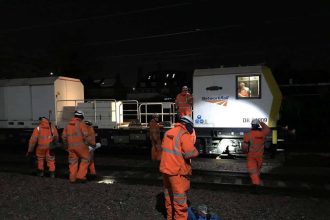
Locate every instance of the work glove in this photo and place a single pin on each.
(92, 148)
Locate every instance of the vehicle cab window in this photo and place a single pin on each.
(248, 87)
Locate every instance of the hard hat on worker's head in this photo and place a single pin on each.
(255, 122)
(88, 122)
(186, 119)
(43, 119)
(155, 115)
(79, 114)
(185, 88)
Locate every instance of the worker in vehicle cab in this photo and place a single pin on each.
(91, 133)
(154, 130)
(42, 136)
(183, 102)
(76, 140)
(253, 145)
(175, 165)
(243, 91)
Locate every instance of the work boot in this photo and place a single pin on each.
(81, 181)
(256, 189)
(40, 173)
(52, 174)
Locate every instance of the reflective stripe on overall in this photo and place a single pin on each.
(176, 173)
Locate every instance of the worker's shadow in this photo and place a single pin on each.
(160, 204)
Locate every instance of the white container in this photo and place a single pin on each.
(24, 100)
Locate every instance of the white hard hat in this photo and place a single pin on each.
(43, 118)
(255, 122)
(88, 122)
(184, 87)
(79, 114)
(186, 119)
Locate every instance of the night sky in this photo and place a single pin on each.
(90, 39)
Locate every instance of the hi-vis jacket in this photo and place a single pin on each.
(184, 101)
(254, 141)
(42, 135)
(75, 134)
(177, 148)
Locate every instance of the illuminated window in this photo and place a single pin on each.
(248, 87)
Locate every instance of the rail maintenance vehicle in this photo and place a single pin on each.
(221, 114)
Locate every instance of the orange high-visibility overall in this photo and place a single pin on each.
(91, 167)
(156, 150)
(184, 102)
(254, 140)
(42, 136)
(75, 137)
(175, 164)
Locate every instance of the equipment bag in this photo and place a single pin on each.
(191, 214)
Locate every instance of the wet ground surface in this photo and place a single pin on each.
(296, 186)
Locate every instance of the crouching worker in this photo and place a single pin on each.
(178, 149)
(253, 145)
(42, 136)
(76, 139)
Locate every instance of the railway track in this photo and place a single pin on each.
(132, 171)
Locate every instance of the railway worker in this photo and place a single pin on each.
(76, 139)
(243, 91)
(175, 165)
(91, 133)
(42, 136)
(154, 130)
(253, 145)
(183, 102)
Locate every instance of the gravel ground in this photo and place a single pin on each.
(25, 196)
(29, 197)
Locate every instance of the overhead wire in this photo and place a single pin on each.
(94, 18)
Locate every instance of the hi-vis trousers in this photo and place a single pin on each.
(175, 190)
